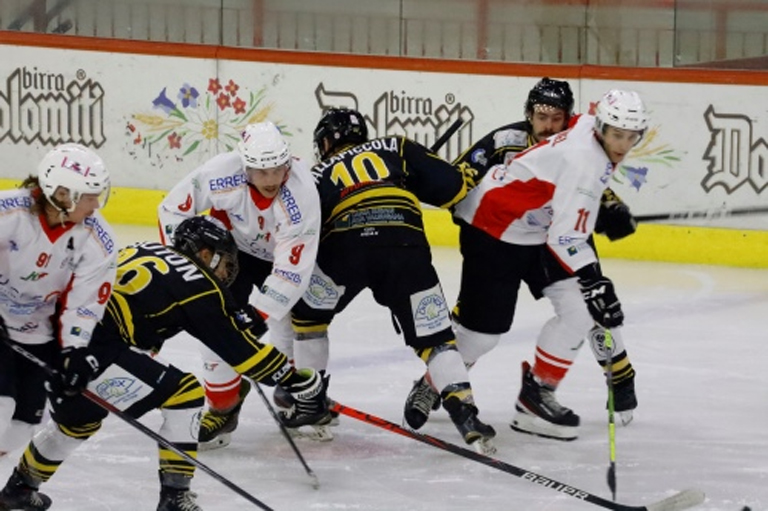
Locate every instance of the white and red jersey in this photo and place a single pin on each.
(549, 193)
(72, 266)
(284, 230)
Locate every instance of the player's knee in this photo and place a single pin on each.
(473, 345)
(189, 393)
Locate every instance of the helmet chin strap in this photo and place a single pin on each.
(62, 211)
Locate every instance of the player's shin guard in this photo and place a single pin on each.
(181, 425)
(624, 397)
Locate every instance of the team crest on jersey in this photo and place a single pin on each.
(322, 293)
(121, 390)
(430, 311)
(478, 156)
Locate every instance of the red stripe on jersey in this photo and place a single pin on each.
(501, 206)
(220, 214)
(56, 231)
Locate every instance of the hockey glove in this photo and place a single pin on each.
(614, 218)
(600, 297)
(78, 367)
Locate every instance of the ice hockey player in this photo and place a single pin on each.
(269, 202)
(373, 237)
(58, 264)
(548, 110)
(159, 292)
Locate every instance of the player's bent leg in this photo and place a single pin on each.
(448, 373)
(43, 456)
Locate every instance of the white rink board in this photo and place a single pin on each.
(705, 150)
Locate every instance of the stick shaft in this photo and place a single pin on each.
(142, 428)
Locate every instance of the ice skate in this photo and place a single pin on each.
(175, 494)
(473, 431)
(624, 400)
(284, 401)
(216, 426)
(537, 411)
(20, 494)
(421, 400)
(309, 415)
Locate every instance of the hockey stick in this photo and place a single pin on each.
(310, 473)
(442, 139)
(141, 427)
(682, 500)
(710, 213)
(611, 423)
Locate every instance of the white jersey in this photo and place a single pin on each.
(549, 194)
(284, 230)
(41, 267)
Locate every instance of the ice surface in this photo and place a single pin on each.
(695, 334)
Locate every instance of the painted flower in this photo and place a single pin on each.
(223, 101)
(174, 141)
(162, 102)
(637, 176)
(214, 86)
(188, 96)
(239, 105)
(232, 88)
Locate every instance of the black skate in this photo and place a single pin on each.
(284, 401)
(310, 408)
(624, 400)
(216, 427)
(174, 499)
(20, 494)
(175, 494)
(421, 400)
(464, 417)
(539, 413)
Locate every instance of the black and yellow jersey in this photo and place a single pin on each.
(160, 292)
(495, 148)
(374, 189)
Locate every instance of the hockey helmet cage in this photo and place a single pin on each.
(262, 146)
(76, 168)
(199, 232)
(339, 127)
(555, 93)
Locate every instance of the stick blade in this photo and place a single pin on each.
(683, 500)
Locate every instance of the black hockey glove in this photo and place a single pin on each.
(614, 218)
(600, 297)
(78, 367)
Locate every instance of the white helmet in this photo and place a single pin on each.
(621, 109)
(262, 146)
(77, 168)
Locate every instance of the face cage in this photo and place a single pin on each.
(231, 265)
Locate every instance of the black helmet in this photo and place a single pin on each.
(339, 126)
(199, 232)
(550, 92)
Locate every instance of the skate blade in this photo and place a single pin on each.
(625, 417)
(314, 433)
(220, 441)
(532, 425)
(484, 446)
